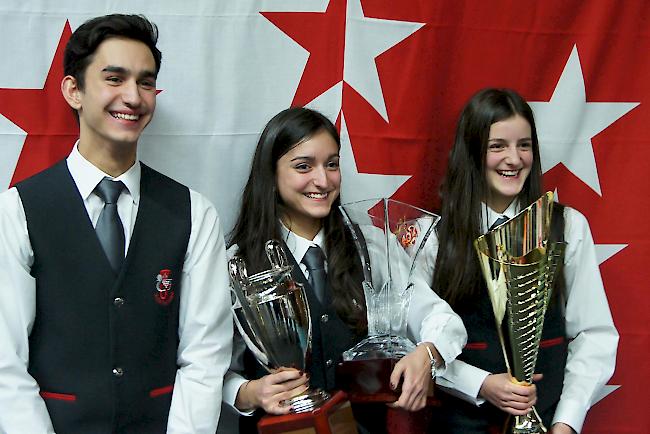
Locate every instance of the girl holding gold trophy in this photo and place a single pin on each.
(494, 172)
(292, 195)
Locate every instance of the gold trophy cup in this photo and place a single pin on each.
(519, 265)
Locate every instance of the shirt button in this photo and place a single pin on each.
(118, 372)
(324, 318)
(118, 302)
(329, 363)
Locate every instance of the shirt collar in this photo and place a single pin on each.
(298, 245)
(489, 216)
(86, 175)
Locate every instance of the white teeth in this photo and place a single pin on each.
(316, 195)
(125, 116)
(508, 172)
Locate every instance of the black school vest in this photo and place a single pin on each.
(483, 349)
(103, 345)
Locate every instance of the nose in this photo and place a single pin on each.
(131, 94)
(512, 155)
(320, 177)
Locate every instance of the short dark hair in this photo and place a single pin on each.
(84, 41)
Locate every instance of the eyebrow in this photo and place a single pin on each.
(122, 70)
(499, 139)
(310, 158)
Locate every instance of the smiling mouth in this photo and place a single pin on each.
(508, 173)
(316, 195)
(125, 116)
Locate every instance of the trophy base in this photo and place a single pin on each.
(333, 417)
(367, 380)
(308, 401)
(379, 347)
(529, 423)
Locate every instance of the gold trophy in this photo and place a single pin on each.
(519, 264)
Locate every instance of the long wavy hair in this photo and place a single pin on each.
(457, 277)
(262, 208)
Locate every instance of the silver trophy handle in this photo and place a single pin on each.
(275, 254)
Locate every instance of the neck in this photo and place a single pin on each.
(499, 206)
(113, 160)
(306, 228)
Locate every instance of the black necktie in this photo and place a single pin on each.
(314, 260)
(499, 221)
(109, 227)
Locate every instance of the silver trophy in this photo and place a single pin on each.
(519, 265)
(272, 316)
(388, 235)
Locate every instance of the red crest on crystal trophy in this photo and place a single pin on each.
(164, 287)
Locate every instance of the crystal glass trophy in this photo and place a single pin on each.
(388, 235)
(519, 265)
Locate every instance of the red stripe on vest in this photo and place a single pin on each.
(58, 396)
(551, 342)
(476, 346)
(161, 391)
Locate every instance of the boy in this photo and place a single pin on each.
(116, 308)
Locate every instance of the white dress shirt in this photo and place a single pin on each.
(205, 322)
(593, 339)
(430, 319)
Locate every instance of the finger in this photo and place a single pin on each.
(292, 384)
(523, 391)
(396, 375)
(537, 377)
(520, 406)
(415, 402)
(285, 375)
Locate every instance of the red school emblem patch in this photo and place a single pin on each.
(164, 288)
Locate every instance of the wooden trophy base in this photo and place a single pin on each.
(368, 381)
(334, 417)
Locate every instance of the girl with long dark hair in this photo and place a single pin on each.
(292, 194)
(494, 172)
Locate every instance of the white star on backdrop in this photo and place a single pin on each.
(355, 186)
(567, 123)
(359, 186)
(365, 39)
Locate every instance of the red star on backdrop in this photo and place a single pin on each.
(45, 116)
(323, 35)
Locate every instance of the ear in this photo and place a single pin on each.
(71, 91)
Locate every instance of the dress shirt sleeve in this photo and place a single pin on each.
(205, 326)
(431, 319)
(589, 326)
(459, 379)
(23, 410)
(234, 377)
(463, 381)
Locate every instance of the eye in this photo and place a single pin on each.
(526, 145)
(148, 84)
(113, 79)
(496, 146)
(333, 164)
(302, 167)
